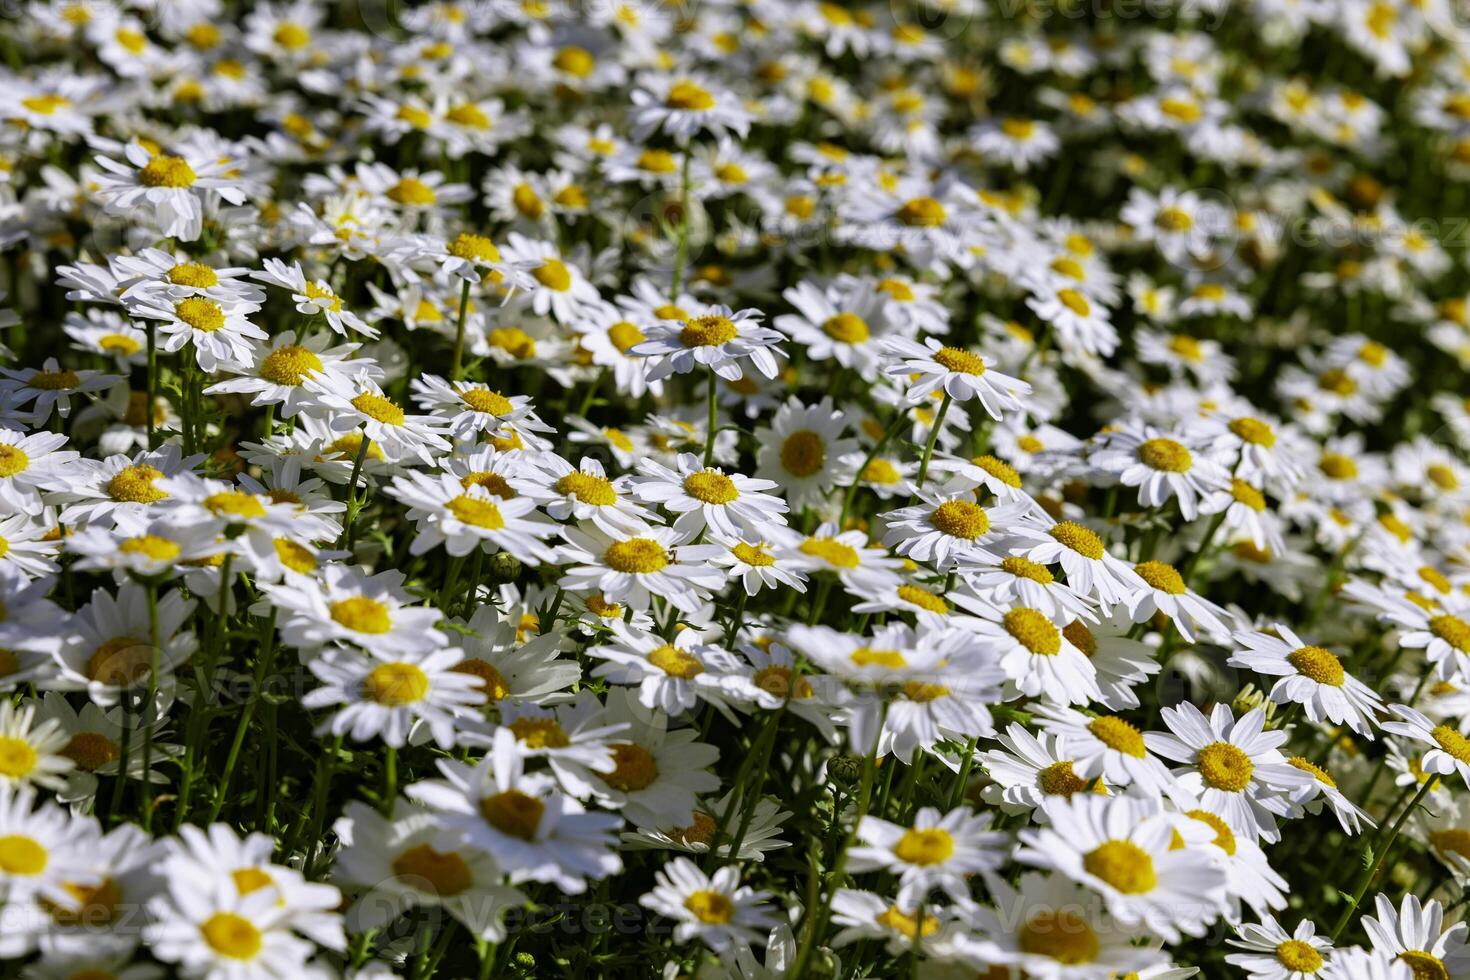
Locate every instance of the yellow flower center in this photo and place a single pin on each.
(710, 907)
(1062, 935)
(1166, 455)
(1336, 466)
(120, 661)
(803, 453)
(959, 360)
(1123, 865)
(150, 546)
(1453, 743)
(361, 614)
(1320, 665)
(1161, 576)
(710, 487)
(231, 935)
(999, 469)
(1298, 956)
(412, 191)
(54, 380)
(323, 297)
(540, 733)
(933, 846)
(235, 504)
(868, 657)
(91, 751)
(1246, 494)
(675, 662)
(166, 171)
(289, 365)
(1033, 631)
(13, 460)
(292, 36)
(589, 489)
(923, 598)
(1424, 965)
(442, 873)
(636, 556)
(1321, 775)
(475, 248)
(831, 551)
(195, 274)
(1453, 630)
(960, 519)
(1442, 476)
(1058, 779)
(200, 313)
(1225, 767)
(1078, 538)
(554, 275)
(906, 925)
(1456, 840)
(21, 855)
(575, 61)
(687, 95)
(116, 343)
(294, 556)
(848, 328)
(708, 331)
(753, 555)
(636, 768)
(527, 201)
(1117, 735)
(493, 683)
(657, 162)
(513, 813)
(1074, 301)
(476, 512)
(17, 757)
(625, 336)
(45, 105)
(1173, 219)
(921, 212)
(469, 116)
(396, 684)
(377, 407)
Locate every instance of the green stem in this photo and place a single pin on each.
(1372, 872)
(263, 665)
(1204, 545)
(682, 258)
(464, 306)
(352, 502)
(713, 428)
(898, 423)
(933, 438)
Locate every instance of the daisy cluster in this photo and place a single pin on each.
(762, 489)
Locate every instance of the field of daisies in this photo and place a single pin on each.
(735, 490)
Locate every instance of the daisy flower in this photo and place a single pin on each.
(1311, 676)
(704, 497)
(1234, 767)
(171, 190)
(1160, 467)
(32, 752)
(802, 449)
(313, 297)
(961, 374)
(1106, 747)
(468, 518)
(475, 408)
(558, 287)
(1053, 929)
(220, 331)
(584, 493)
(1121, 847)
(1091, 569)
(1037, 656)
(759, 564)
(1413, 934)
(718, 339)
(938, 850)
(717, 909)
(1449, 750)
(1029, 769)
(111, 652)
(362, 404)
(512, 667)
(684, 105)
(345, 605)
(1272, 953)
(48, 388)
(532, 831)
(671, 676)
(945, 531)
(1165, 592)
(633, 565)
(847, 555)
(275, 372)
(386, 696)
